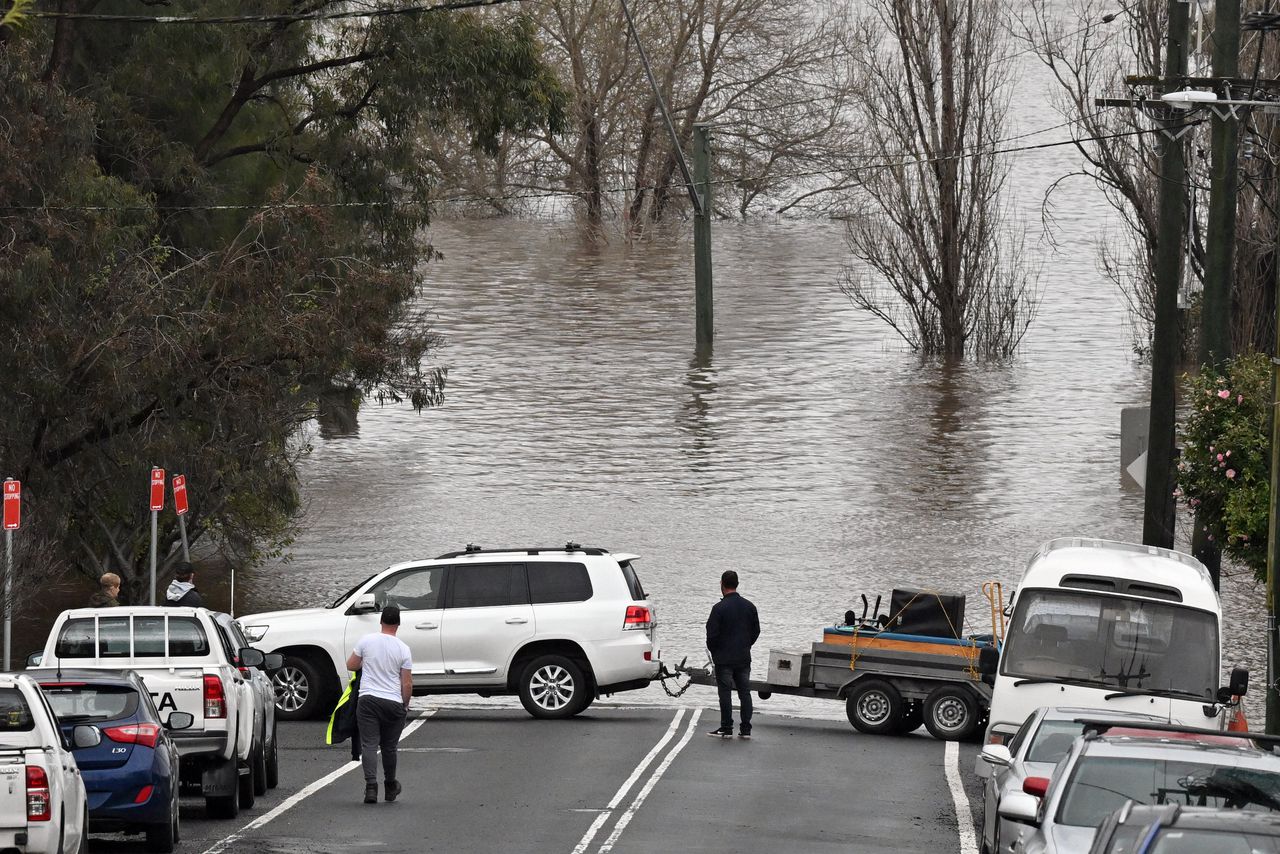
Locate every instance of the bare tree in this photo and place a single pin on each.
(938, 265)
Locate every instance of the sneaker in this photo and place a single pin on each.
(370, 793)
(721, 732)
(746, 733)
(393, 790)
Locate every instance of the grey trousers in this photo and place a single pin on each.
(380, 722)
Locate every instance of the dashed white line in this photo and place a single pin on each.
(964, 813)
(626, 817)
(306, 792)
(601, 819)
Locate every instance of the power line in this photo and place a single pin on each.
(550, 193)
(282, 18)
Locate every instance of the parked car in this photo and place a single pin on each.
(266, 773)
(1177, 829)
(131, 776)
(43, 807)
(188, 665)
(557, 626)
(1042, 740)
(1154, 764)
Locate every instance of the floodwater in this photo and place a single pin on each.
(811, 452)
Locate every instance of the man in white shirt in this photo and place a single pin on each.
(386, 684)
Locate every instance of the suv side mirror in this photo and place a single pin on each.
(180, 720)
(272, 661)
(34, 659)
(365, 603)
(250, 657)
(85, 736)
(988, 660)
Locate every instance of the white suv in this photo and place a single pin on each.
(558, 626)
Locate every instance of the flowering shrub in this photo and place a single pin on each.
(1225, 470)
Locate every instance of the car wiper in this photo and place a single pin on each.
(1038, 680)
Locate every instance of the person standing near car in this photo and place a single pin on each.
(182, 590)
(733, 627)
(108, 595)
(386, 684)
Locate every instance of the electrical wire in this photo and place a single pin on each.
(282, 18)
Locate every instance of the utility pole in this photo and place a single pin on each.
(1219, 270)
(1159, 509)
(1273, 524)
(703, 314)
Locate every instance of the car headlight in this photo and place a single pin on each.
(255, 633)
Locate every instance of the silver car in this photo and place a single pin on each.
(1154, 764)
(1042, 740)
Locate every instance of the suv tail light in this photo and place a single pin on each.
(638, 617)
(215, 700)
(39, 807)
(145, 734)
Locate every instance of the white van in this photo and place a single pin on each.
(1116, 627)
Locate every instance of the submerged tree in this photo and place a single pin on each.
(939, 264)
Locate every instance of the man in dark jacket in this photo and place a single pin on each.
(732, 628)
(182, 590)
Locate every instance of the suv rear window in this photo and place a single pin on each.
(15, 715)
(77, 704)
(80, 638)
(558, 582)
(633, 581)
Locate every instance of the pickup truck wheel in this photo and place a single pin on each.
(222, 806)
(874, 707)
(553, 686)
(246, 788)
(950, 713)
(298, 689)
(259, 762)
(273, 758)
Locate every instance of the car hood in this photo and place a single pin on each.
(1068, 839)
(272, 618)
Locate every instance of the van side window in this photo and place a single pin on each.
(558, 582)
(488, 585)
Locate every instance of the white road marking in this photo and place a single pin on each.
(306, 792)
(648, 786)
(964, 813)
(626, 786)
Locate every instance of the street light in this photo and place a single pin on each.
(1186, 99)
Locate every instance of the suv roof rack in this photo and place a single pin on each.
(473, 549)
(1094, 728)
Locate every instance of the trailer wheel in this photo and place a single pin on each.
(950, 713)
(874, 707)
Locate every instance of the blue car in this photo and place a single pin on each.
(131, 777)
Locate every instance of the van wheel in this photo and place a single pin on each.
(298, 689)
(874, 707)
(222, 806)
(553, 686)
(246, 788)
(950, 713)
(273, 758)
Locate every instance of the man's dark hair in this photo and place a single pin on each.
(183, 570)
(729, 580)
(391, 615)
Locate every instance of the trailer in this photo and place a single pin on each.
(895, 671)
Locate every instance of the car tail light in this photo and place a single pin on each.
(1036, 786)
(638, 617)
(144, 795)
(145, 734)
(215, 700)
(39, 807)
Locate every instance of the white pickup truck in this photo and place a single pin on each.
(189, 664)
(42, 798)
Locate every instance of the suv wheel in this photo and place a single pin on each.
(298, 689)
(553, 686)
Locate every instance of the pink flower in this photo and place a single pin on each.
(1220, 458)
(1228, 453)
(1224, 393)
(1231, 474)
(1239, 399)
(1195, 502)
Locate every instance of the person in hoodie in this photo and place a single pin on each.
(182, 590)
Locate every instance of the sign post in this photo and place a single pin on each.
(12, 521)
(157, 504)
(180, 507)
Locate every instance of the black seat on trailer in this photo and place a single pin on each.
(924, 612)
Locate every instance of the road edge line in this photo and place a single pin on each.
(604, 815)
(964, 811)
(630, 812)
(306, 792)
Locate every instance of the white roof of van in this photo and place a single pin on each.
(1149, 564)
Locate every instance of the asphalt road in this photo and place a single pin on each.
(615, 779)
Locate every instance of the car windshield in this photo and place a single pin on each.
(1100, 785)
(1130, 645)
(1174, 841)
(345, 596)
(77, 704)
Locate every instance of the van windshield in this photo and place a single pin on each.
(1121, 643)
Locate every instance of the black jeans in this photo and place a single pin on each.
(727, 678)
(381, 722)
